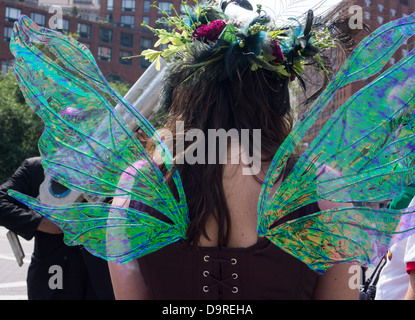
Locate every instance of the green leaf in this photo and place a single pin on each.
(151, 54)
(228, 34)
(158, 63)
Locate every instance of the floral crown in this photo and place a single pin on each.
(258, 42)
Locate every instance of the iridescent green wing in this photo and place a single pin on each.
(87, 145)
(113, 233)
(365, 152)
(344, 235)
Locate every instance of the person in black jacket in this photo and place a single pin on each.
(84, 276)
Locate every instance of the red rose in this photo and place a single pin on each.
(210, 32)
(292, 77)
(277, 52)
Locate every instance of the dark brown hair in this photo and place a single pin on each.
(214, 88)
(251, 100)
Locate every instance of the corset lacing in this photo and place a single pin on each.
(217, 281)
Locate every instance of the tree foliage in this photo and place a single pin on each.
(20, 127)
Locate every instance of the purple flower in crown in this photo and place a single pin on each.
(277, 52)
(210, 32)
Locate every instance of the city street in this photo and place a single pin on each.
(13, 277)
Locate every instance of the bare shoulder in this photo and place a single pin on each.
(241, 192)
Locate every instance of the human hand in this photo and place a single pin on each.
(48, 226)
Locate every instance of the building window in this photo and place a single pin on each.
(105, 35)
(380, 19)
(144, 63)
(146, 6)
(104, 54)
(12, 14)
(7, 33)
(65, 25)
(368, 2)
(127, 21)
(61, 24)
(145, 43)
(165, 5)
(84, 30)
(128, 5)
(367, 15)
(162, 24)
(126, 39)
(110, 4)
(38, 18)
(6, 66)
(146, 20)
(381, 7)
(126, 54)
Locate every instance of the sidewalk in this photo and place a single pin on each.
(13, 277)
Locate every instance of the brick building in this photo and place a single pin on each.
(375, 13)
(113, 33)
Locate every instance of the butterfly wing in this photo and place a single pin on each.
(87, 145)
(363, 153)
(344, 235)
(110, 232)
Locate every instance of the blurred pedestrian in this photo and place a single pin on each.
(397, 278)
(84, 276)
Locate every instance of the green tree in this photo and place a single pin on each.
(119, 86)
(20, 127)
